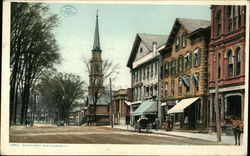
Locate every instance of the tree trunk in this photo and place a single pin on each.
(12, 92)
(94, 102)
(15, 106)
(218, 128)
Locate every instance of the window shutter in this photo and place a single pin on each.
(161, 72)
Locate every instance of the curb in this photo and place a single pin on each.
(161, 133)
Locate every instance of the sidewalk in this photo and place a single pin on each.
(208, 137)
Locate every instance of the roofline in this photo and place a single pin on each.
(171, 32)
(129, 64)
(199, 30)
(146, 62)
(176, 20)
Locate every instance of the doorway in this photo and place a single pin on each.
(234, 106)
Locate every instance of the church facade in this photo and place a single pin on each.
(98, 100)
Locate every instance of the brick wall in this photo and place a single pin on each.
(227, 40)
(191, 45)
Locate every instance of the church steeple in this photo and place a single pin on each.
(97, 46)
(96, 71)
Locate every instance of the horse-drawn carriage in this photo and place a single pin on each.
(237, 126)
(142, 123)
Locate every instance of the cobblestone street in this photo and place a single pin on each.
(94, 135)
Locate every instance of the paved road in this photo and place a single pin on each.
(94, 135)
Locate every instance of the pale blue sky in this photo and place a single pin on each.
(118, 25)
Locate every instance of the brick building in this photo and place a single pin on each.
(184, 73)
(228, 32)
(120, 107)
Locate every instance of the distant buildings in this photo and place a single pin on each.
(76, 115)
(228, 40)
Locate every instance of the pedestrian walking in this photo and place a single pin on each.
(157, 123)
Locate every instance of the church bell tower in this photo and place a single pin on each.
(96, 71)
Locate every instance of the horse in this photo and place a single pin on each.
(237, 126)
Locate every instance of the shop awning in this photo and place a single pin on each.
(146, 108)
(180, 106)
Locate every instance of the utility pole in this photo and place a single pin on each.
(111, 107)
(158, 89)
(218, 129)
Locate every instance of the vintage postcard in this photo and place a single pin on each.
(125, 78)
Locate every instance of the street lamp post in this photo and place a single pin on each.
(158, 89)
(111, 107)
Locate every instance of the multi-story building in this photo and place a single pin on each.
(184, 73)
(144, 65)
(120, 109)
(227, 55)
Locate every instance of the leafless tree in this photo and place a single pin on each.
(109, 70)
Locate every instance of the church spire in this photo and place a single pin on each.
(97, 46)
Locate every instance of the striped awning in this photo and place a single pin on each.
(180, 106)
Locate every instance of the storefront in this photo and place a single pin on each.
(147, 108)
(187, 113)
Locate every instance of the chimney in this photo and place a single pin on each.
(155, 48)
